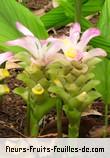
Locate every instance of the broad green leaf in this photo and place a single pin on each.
(91, 7)
(102, 73)
(102, 70)
(88, 6)
(57, 17)
(11, 12)
(104, 21)
(67, 7)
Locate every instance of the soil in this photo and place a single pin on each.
(13, 116)
(13, 108)
(45, 5)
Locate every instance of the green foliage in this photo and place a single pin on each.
(104, 23)
(11, 12)
(102, 73)
(90, 7)
(68, 7)
(65, 13)
(102, 70)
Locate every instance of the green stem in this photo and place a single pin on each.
(74, 117)
(106, 121)
(78, 8)
(34, 123)
(34, 127)
(27, 129)
(73, 130)
(59, 118)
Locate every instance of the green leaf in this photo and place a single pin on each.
(102, 70)
(102, 73)
(55, 18)
(67, 7)
(60, 16)
(11, 12)
(91, 7)
(104, 21)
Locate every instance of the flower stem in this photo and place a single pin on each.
(78, 8)
(34, 132)
(59, 118)
(27, 129)
(74, 117)
(32, 126)
(73, 129)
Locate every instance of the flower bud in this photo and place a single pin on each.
(38, 89)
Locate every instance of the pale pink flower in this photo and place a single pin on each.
(74, 47)
(42, 52)
(5, 56)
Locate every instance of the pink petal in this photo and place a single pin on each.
(44, 42)
(29, 43)
(53, 49)
(94, 53)
(56, 57)
(52, 40)
(87, 36)
(75, 32)
(5, 56)
(79, 56)
(23, 29)
(97, 52)
(61, 44)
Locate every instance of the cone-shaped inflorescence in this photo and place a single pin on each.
(75, 85)
(53, 78)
